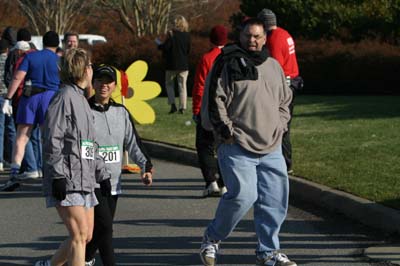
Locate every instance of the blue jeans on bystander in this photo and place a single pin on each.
(252, 180)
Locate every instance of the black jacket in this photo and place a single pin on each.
(176, 50)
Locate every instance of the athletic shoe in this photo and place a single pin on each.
(278, 259)
(90, 263)
(208, 251)
(211, 190)
(28, 175)
(222, 190)
(11, 185)
(43, 263)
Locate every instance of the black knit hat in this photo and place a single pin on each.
(51, 39)
(268, 17)
(23, 35)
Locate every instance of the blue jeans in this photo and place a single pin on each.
(7, 134)
(254, 180)
(33, 152)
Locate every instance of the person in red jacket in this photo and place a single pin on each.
(204, 138)
(281, 46)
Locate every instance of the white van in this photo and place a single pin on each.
(84, 40)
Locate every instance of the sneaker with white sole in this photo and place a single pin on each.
(28, 175)
(211, 190)
(90, 262)
(222, 190)
(208, 251)
(43, 263)
(277, 259)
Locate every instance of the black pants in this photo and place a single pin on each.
(286, 144)
(205, 147)
(103, 230)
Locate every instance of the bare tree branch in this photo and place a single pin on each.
(57, 15)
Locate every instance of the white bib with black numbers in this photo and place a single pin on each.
(87, 147)
(110, 154)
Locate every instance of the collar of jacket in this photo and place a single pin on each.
(99, 107)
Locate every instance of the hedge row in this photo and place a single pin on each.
(328, 67)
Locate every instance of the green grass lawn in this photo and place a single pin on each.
(350, 143)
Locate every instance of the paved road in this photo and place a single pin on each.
(163, 225)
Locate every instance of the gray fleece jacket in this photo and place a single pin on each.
(69, 143)
(115, 132)
(254, 111)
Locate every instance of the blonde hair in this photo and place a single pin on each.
(181, 24)
(73, 65)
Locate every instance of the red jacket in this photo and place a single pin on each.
(281, 47)
(202, 70)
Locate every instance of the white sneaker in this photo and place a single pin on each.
(222, 190)
(208, 252)
(43, 263)
(283, 260)
(277, 259)
(90, 263)
(1, 167)
(211, 190)
(28, 175)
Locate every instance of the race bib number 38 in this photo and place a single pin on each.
(87, 147)
(110, 154)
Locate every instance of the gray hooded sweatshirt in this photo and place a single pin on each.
(115, 131)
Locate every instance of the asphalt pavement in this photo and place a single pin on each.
(163, 225)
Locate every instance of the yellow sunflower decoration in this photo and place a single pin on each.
(135, 92)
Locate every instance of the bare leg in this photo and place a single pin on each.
(79, 222)
(23, 134)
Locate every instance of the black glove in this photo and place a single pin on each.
(59, 188)
(105, 187)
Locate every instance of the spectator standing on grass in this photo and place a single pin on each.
(72, 165)
(205, 142)
(281, 46)
(41, 69)
(248, 107)
(176, 50)
(115, 132)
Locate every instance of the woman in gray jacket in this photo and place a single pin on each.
(71, 161)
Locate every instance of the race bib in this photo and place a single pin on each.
(110, 154)
(87, 147)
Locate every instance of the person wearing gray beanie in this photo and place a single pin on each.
(268, 17)
(281, 46)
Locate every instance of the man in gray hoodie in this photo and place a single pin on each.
(248, 108)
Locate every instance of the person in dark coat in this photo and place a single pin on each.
(176, 50)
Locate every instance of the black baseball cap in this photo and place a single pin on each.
(105, 70)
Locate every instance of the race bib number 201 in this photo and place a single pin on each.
(87, 147)
(110, 154)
